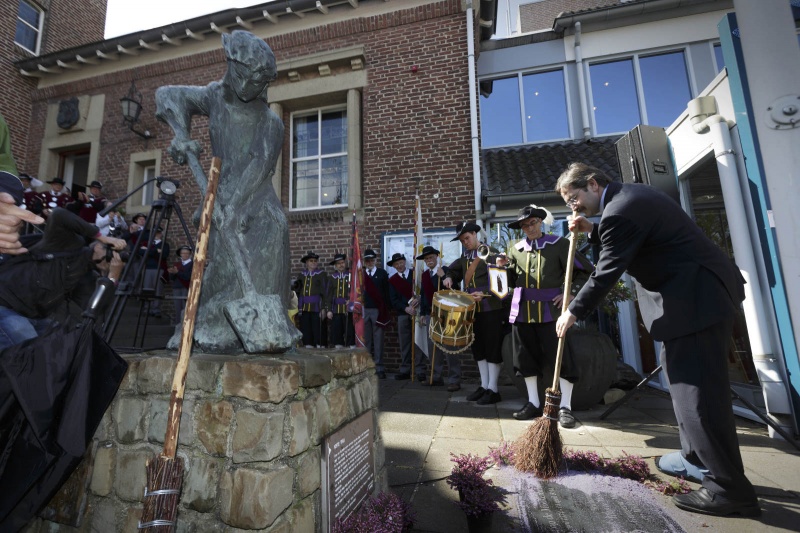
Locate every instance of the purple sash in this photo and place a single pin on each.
(533, 295)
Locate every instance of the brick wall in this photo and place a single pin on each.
(68, 23)
(415, 126)
(540, 15)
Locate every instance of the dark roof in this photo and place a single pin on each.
(535, 168)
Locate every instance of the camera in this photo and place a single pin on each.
(123, 255)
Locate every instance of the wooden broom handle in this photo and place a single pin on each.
(190, 313)
(573, 243)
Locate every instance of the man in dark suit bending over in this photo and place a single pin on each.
(689, 292)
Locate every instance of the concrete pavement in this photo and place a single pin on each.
(421, 426)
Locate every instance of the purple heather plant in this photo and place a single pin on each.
(628, 466)
(477, 494)
(385, 513)
(503, 454)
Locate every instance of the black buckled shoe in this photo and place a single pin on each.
(565, 418)
(489, 397)
(527, 412)
(704, 501)
(402, 376)
(477, 395)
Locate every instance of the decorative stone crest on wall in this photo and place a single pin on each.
(68, 113)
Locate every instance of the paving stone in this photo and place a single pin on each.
(300, 428)
(159, 412)
(261, 380)
(129, 416)
(253, 499)
(303, 517)
(338, 405)
(203, 373)
(315, 370)
(103, 471)
(130, 381)
(155, 375)
(258, 436)
(200, 486)
(309, 472)
(130, 478)
(213, 425)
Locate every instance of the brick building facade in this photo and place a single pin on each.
(399, 69)
(66, 23)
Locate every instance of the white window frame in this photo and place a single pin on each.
(520, 87)
(319, 157)
(148, 191)
(38, 30)
(637, 75)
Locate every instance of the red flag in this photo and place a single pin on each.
(357, 287)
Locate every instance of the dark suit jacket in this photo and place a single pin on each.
(381, 281)
(685, 281)
(399, 297)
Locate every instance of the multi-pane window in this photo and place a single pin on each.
(29, 27)
(525, 108)
(652, 90)
(319, 159)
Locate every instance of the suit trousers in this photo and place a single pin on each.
(453, 363)
(696, 366)
(342, 331)
(537, 344)
(405, 340)
(311, 328)
(373, 337)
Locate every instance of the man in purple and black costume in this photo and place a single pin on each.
(537, 267)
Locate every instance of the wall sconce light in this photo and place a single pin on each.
(131, 108)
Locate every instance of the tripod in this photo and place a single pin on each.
(134, 280)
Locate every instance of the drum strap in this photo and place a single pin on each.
(471, 271)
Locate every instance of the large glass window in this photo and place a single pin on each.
(545, 106)
(319, 159)
(666, 87)
(720, 59)
(500, 114)
(536, 114)
(659, 82)
(29, 27)
(614, 101)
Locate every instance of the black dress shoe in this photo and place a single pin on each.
(402, 376)
(435, 383)
(381, 375)
(489, 397)
(453, 387)
(565, 418)
(527, 412)
(477, 395)
(706, 502)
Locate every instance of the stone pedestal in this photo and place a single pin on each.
(251, 435)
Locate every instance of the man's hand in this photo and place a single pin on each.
(11, 217)
(560, 298)
(116, 244)
(330, 315)
(502, 260)
(411, 310)
(579, 223)
(116, 266)
(564, 322)
(448, 283)
(477, 296)
(322, 314)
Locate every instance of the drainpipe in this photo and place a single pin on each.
(473, 112)
(704, 118)
(587, 131)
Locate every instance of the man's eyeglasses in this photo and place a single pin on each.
(571, 200)
(529, 224)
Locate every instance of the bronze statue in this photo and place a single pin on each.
(245, 291)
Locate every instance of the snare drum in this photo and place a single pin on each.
(452, 318)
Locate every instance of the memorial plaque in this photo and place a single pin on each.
(348, 469)
(596, 503)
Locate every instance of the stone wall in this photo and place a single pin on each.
(251, 437)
